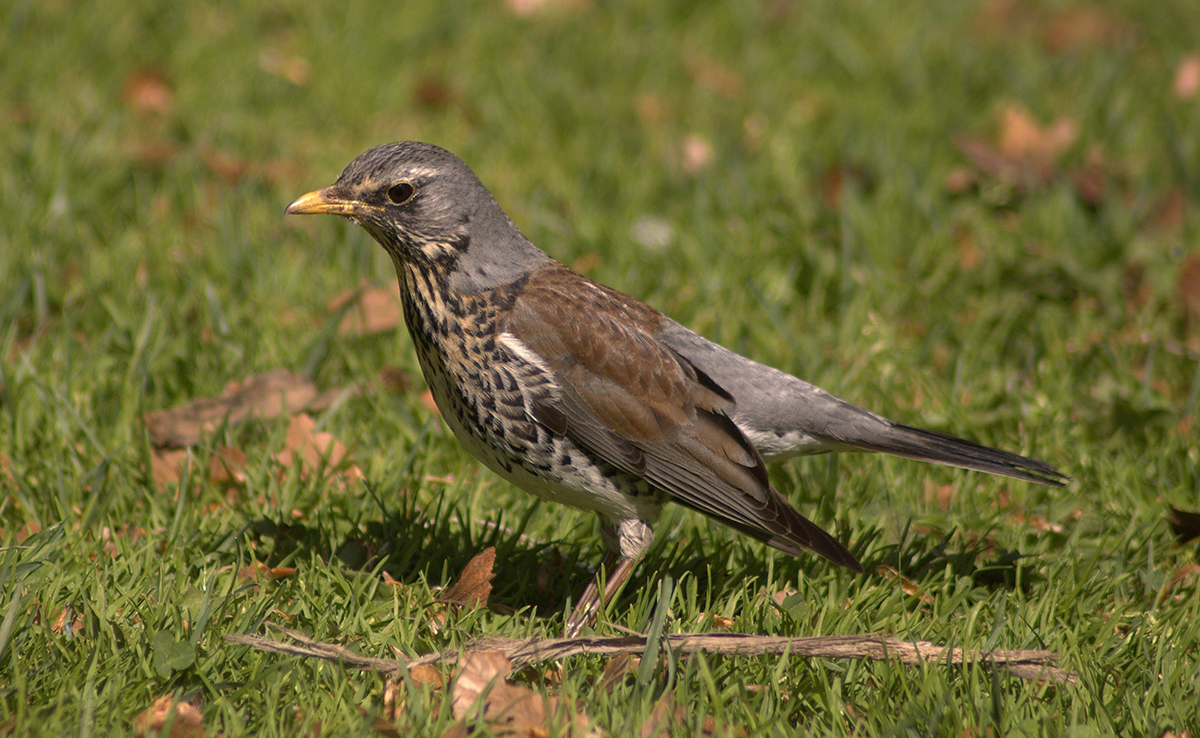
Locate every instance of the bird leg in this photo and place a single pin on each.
(593, 599)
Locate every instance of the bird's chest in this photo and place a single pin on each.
(485, 391)
(481, 390)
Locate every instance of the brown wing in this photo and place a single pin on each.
(645, 410)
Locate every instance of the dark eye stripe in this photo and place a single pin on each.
(401, 193)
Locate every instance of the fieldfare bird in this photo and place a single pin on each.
(584, 396)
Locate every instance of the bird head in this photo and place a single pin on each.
(427, 209)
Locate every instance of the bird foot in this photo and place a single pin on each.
(595, 597)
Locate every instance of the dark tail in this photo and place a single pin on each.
(943, 448)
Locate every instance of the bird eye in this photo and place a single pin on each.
(401, 193)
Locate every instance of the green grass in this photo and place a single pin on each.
(138, 272)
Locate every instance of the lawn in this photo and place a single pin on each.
(975, 217)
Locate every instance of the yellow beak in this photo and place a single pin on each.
(322, 202)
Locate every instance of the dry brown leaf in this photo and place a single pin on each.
(781, 596)
(616, 669)
(1079, 27)
(166, 466)
(433, 93)
(1188, 288)
(1035, 521)
(146, 92)
(427, 675)
(908, 586)
(1022, 137)
(651, 108)
(959, 180)
(474, 585)
(185, 719)
(991, 162)
(395, 379)
(1168, 211)
(715, 76)
(1187, 77)
(227, 466)
(303, 441)
(6, 472)
(1091, 180)
(721, 621)
(312, 448)
(259, 570)
(374, 310)
(262, 396)
(969, 255)
(662, 715)
(512, 709)
(68, 621)
(940, 494)
(478, 671)
(667, 713)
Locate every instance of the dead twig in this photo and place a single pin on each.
(1027, 664)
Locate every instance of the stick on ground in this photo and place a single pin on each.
(1027, 664)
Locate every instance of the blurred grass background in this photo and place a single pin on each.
(791, 179)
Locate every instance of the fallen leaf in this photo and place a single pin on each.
(227, 466)
(166, 466)
(1035, 521)
(908, 586)
(479, 671)
(721, 621)
(185, 720)
(941, 494)
(427, 675)
(1022, 137)
(474, 585)
(146, 92)
(615, 671)
(69, 623)
(1187, 77)
(1080, 27)
(1188, 288)
(667, 713)
(715, 76)
(374, 309)
(1168, 211)
(1185, 524)
(313, 449)
(996, 165)
(511, 708)
(959, 180)
(1091, 180)
(1134, 287)
(395, 379)
(650, 108)
(261, 396)
(433, 93)
(969, 255)
(259, 570)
